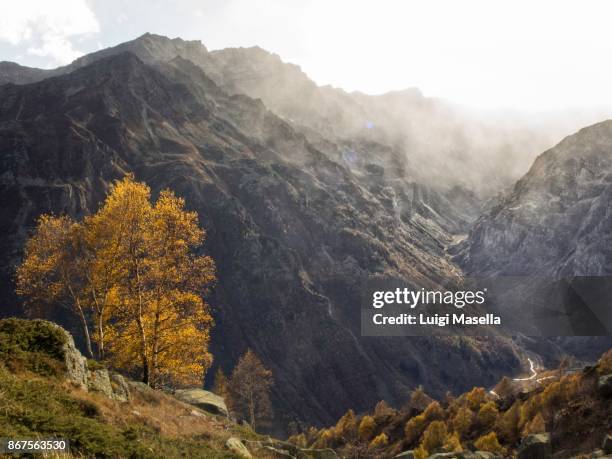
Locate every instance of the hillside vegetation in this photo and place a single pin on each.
(567, 412)
(38, 400)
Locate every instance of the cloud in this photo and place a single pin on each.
(48, 29)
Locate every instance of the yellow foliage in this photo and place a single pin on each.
(298, 440)
(367, 426)
(129, 273)
(476, 397)
(434, 436)
(489, 443)
(221, 384)
(420, 453)
(453, 443)
(414, 428)
(433, 412)
(379, 441)
(604, 365)
(325, 439)
(463, 420)
(535, 426)
(346, 427)
(529, 409)
(382, 411)
(487, 415)
(553, 395)
(419, 400)
(508, 423)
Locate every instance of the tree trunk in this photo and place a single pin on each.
(85, 331)
(252, 410)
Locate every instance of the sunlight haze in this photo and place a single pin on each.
(544, 55)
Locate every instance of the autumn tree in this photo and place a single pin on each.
(249, 389)
(52, 272)
(379, 441)
(220, 384)
(367, 426)
(414, 428)
(487, 415)
(434, 436)
(489, 443)
(535, 426)
(508, 423)
(419, 400)
(476, 397)
(346, 428)
(131, 269)
(383, 412)
(462, 421)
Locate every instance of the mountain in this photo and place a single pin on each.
(553, 231)
(443, 145)
(556, 220)
(296, 226)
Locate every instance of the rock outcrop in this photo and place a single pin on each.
(535, 446)
(604, 384)
(204, 400)
(236, 446)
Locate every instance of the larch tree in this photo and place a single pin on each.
(249, 389)
(159, 318)
(220, 383)
(52, 272)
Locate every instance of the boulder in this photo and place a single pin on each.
(607, 444)
(204, 400)
(121, 391)
(237, 447)
(99, 381)
(76, 363)
(535, 446)
(482, 455)
(604, 384)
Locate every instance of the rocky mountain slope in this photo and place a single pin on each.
(295, 226)
(554, 224)
(556, 221)
(443, 145)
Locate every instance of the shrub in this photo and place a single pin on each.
(31, 336)
(489, 443)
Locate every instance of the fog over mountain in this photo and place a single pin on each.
(305, 191)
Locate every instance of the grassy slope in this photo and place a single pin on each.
(37, 402)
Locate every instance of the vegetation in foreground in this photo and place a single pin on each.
(568, 405)
(37, 401)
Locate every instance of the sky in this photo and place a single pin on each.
(492, 54)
